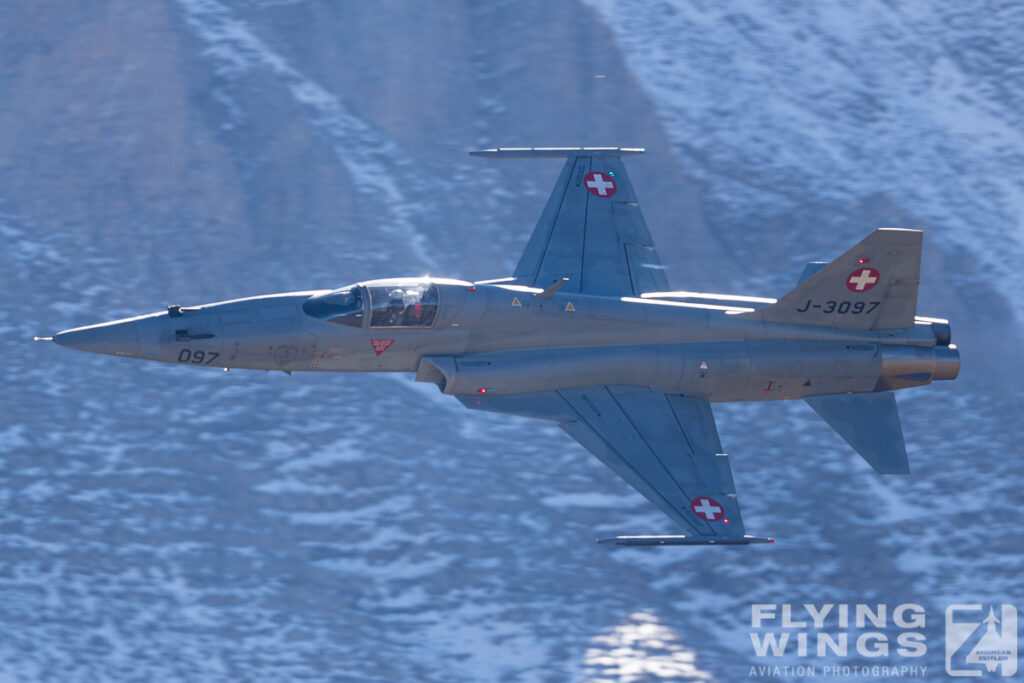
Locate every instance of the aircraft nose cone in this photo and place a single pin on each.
(116, 338)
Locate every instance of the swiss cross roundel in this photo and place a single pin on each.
(708, 509)
(599, 184)
(862, 279)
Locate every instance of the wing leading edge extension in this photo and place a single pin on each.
(591, 231)
(665, 446)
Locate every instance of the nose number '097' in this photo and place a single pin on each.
(198, 357)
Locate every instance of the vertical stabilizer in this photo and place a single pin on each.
(873, 286)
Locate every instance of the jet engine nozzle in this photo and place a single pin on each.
(910, 366)
(947, 362)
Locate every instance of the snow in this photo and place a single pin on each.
(775, 107)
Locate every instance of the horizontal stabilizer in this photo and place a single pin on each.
(870, 423)
(683, 540)
(810, 269)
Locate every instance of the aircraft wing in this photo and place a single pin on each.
(664, 445)
(591, 230)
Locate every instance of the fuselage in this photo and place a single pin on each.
(503, 338)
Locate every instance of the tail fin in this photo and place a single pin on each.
(871, 287)
(871, 424)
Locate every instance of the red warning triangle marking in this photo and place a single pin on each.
(381, 345)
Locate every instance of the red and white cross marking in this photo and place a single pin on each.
(708, 509)
(862, 279)
(599, 184)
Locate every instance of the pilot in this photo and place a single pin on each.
(414, 311)
(396, 307)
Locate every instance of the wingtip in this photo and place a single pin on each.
(547, 152)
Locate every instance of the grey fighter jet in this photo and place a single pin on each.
(588, 333)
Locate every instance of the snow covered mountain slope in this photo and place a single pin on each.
(173, 523)
(799, 118)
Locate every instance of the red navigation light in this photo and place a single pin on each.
(726, 520)
(482, 390)
(863, 260)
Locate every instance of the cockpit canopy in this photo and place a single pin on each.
(342, 306)
(389, 303)
(402, 304)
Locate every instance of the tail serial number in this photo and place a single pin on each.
(842, 307)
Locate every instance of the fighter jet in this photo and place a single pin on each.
(588, 333)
